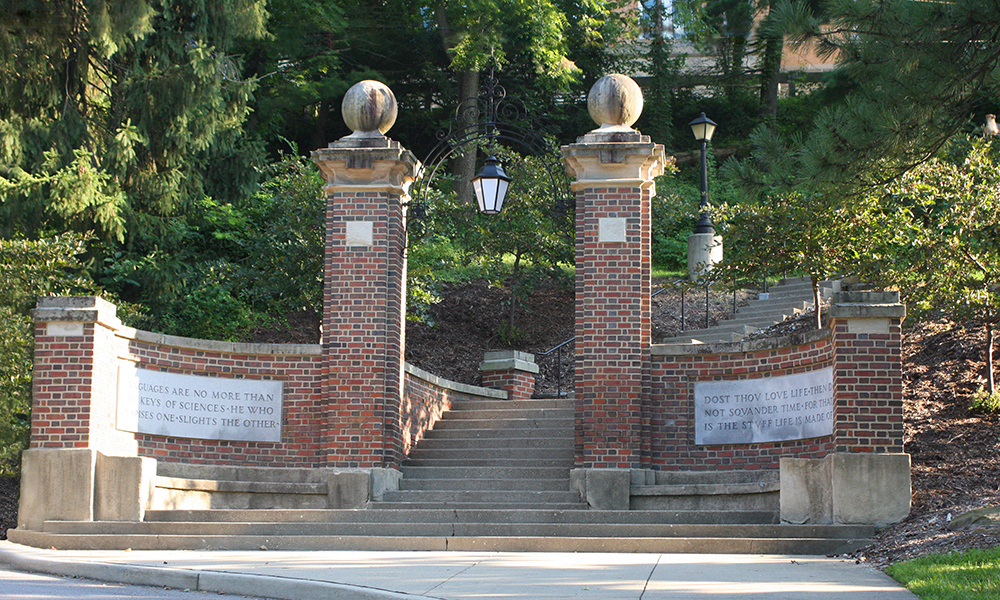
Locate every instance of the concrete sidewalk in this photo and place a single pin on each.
(472, 575)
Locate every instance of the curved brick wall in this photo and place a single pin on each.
(80, 345)
(669, 415)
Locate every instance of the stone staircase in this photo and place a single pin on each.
(493, 454)
(491, 476)
(790, 297)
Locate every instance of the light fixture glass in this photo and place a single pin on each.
(490, 186)
(703, 128)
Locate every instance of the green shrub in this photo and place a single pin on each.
(28, 269)
(983, 401)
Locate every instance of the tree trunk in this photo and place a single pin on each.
(770, 71)
(463, 167)
(513, 297)
(990, 342)
(817, 302)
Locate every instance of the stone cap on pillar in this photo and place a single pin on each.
(367, 157)
(65, 315)
(614, 152)
(87, 309)
(867, 305)
(504, 360)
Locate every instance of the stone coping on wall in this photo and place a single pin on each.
(176, 341)
(744, 346)
(461, 388)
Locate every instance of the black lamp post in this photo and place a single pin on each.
(703, 128)
(490, 186)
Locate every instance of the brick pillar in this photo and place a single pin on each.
(867, 479)
(612, 168)
(868, 380)
(511, 371)
(364, 297)
(74, 397)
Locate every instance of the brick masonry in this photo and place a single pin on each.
(67, 391)
(868, 376)
(668, 422)
(614, 186)
(352, 402)
(364, 299)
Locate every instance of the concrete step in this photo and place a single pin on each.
(471, 473)
(455, 441)
(486, 529)
(373, 515)
(500, 499)
(493, 485)
(515, 426)
(475, 452)
(794, 302)
(502, 414)
(789, 297)
(530, 404)
(788, 541)
(486, 505)
(759, 477)
(453, 432)
(521, 461)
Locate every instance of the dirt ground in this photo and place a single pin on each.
(954, 451)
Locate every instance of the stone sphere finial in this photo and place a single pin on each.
(369, 108)
(615, 102)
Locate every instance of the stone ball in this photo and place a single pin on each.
(369, 108)
(615, 101)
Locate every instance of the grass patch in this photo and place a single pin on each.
(971, 575)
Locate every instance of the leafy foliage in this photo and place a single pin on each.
(534, 230)
(28, 269)
(229, 267)
(946, 254)
(115, 114)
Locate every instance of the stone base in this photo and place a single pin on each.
(56, 484)
(85, 485)
(704, 250)
(603, 489)
(846, 488)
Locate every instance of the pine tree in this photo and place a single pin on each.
(114, 114)
(909, 77)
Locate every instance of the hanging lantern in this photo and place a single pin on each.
(490, 186)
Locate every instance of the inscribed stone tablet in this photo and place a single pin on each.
(193, 406)
(773, 409)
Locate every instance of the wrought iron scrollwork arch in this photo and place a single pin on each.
(493, 117)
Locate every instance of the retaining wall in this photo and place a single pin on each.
(668, 430)
(81, 345)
